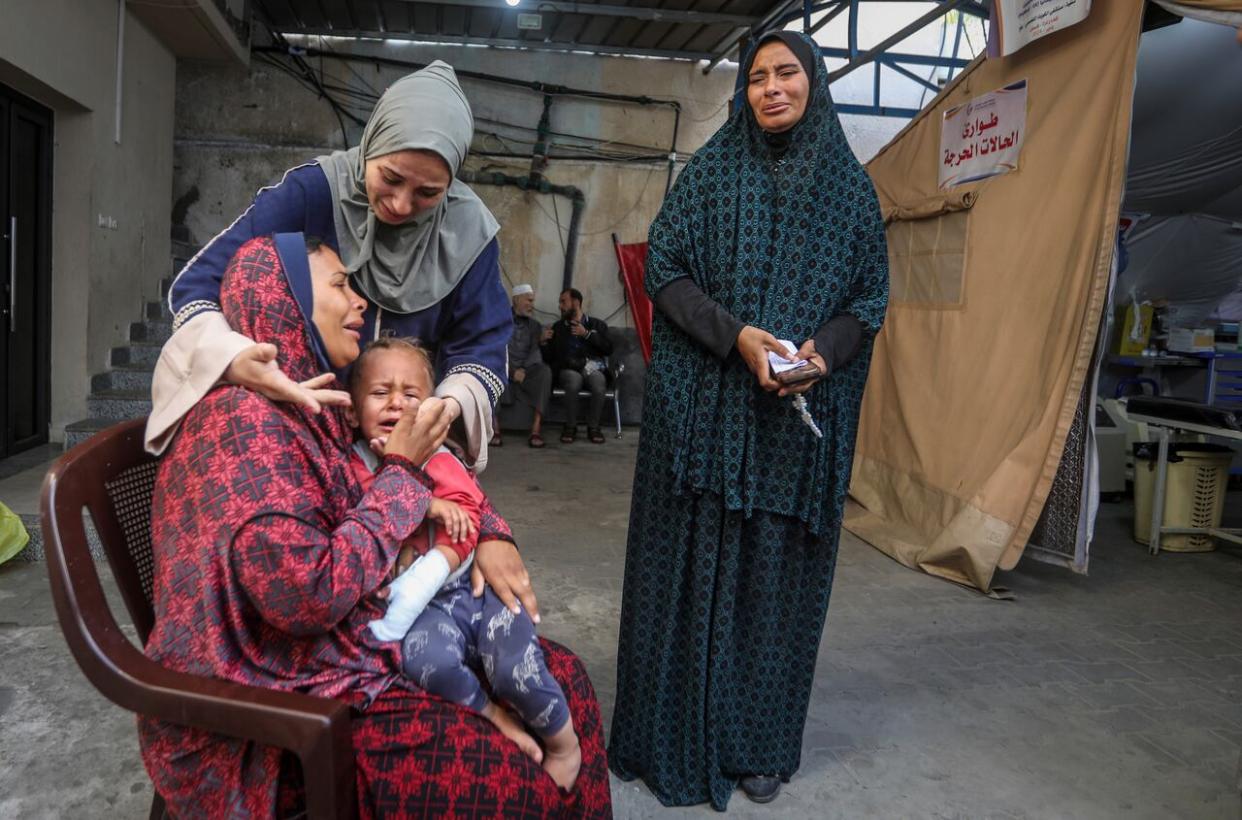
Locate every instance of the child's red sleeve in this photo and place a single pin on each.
(453, 482)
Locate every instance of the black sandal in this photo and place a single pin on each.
(535, 440)
(594, 434)
(568, 434)
(761, 788)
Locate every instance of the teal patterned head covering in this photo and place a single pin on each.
(784, 241)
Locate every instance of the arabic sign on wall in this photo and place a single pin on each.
(1016, 23)
(983, 137)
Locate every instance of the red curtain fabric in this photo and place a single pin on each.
(632, 258)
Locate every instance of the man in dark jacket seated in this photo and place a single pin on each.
(577, 347)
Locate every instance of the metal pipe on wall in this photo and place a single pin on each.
(672, 151)
(539, 184)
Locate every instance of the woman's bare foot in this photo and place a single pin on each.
(564, 756)
(512, 728)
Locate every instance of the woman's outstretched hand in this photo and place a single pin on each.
(255, 368)
(498, 564)
(420, 431)
(753, 344)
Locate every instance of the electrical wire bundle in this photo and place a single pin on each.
(502, 139)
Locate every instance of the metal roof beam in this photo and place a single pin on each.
(599, 10)
(501, 42)
(976, 9)
(876, 110)
(891, 57)
(905, 72)
(943, 8)
(829, 17)
(785, 11)
(730, 41)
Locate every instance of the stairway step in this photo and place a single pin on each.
(80, 431)
(33, 551)
(124, 377)
(119, 404)
(183, 250)
(137, 353)
(152, 330)
(158, 311)
(124, 391)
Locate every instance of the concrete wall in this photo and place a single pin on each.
(237, 131)
(62, 53)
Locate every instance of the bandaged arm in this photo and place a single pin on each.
(410, 593)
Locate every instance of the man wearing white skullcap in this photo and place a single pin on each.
(530, 380)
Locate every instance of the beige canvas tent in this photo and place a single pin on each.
(998, 288)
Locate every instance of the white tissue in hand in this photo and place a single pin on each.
(780, 365)
(409, 595)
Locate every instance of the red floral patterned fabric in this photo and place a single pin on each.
(268, 554)
(452, 482)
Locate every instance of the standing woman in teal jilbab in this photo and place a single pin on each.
(772, 232)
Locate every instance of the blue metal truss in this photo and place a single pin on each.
(880, 56)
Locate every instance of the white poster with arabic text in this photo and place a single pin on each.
(1017, 23)
(983, 138)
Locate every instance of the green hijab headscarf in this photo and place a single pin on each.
(406, 268)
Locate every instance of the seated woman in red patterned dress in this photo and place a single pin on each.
(269, 557)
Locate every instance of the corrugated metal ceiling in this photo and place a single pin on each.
(679, 29)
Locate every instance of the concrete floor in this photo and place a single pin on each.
(1117, 695)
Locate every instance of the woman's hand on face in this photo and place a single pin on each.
(753, 344)
(498, 564)
(255, 368)
(451, 408)
(420, 431)
(807, 351)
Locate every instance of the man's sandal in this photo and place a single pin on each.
(535, 440)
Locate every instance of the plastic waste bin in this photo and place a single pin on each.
(1194, 494)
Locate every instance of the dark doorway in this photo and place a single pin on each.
(25, 272)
